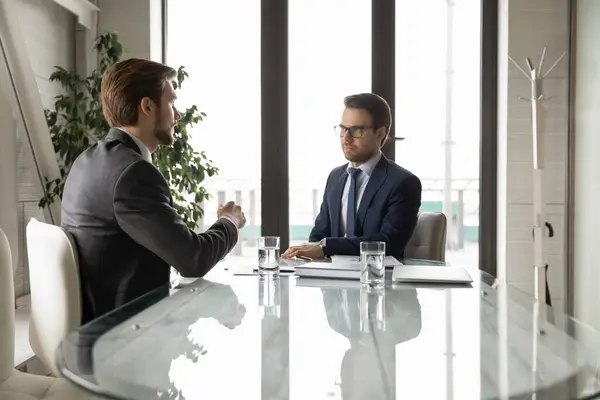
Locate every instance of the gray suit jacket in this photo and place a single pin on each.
(119, 210)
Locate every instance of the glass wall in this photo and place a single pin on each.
(438, 62)
(221, 52)
(437, 102)
(325, 65)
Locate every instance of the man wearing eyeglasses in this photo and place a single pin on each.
(370, 198)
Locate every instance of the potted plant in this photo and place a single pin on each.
(77, 122)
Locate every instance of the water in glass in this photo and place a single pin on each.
(372, 263)
(268, 255)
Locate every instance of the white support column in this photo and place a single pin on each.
(138, 24)
(84, 10)
(586, 164)
(9, 221)
(86, 59)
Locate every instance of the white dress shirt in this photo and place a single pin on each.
(361, 183)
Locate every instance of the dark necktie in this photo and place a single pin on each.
(351, 211)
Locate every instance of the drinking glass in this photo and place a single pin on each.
(372, 263)
(268, 255)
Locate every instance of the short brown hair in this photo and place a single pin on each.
(126, 83)
(380, 110)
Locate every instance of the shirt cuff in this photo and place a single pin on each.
(326, 251)
(230, 220)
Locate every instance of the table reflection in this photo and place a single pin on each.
(165, 356)
(230, 314)
(374, 321)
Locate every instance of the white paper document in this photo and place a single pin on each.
(430, 274)
(389, 260)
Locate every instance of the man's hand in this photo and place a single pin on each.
(233, 212)
(234, 320)
(310, 250)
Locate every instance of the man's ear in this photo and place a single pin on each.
(382, 135)
(147, 106)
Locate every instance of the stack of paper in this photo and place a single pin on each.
(329, 270)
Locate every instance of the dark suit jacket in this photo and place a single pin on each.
(119, 209)
(387, 212)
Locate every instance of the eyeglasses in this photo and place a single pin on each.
(354, 131)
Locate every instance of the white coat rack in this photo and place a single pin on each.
(536, 77)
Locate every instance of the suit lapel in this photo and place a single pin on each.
(375, 181)
(117, 134)
(336, 203)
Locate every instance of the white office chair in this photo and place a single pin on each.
(55, 291)
(16, 385)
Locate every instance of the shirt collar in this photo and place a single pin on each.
(146, 155)
(368, 166)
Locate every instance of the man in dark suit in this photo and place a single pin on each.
(118, 207)
(369, 199)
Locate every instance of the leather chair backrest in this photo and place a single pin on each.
(428, 241)
(55, 289)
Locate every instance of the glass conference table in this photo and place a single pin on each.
(243, 337)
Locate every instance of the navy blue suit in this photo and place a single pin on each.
(387, 212)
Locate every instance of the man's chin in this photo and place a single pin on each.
(351, 157)
(165, 139)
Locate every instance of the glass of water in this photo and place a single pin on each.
(372, 263)
(268, 255)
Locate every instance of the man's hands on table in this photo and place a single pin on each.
(310, 250)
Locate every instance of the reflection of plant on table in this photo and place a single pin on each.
(77, 122)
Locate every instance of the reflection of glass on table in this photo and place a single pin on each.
(269, 295)
(372, 308)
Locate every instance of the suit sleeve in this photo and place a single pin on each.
(322, 227)
(142, 209)
(397, 226)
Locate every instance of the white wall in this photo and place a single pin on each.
(526, 26)
(49, 32)
(587, 164)
(138, 23)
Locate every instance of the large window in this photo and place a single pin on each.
(218, 42)
(329, 58)
(438, 111)
(330, 54)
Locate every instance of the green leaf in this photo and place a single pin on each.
(76, 122)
